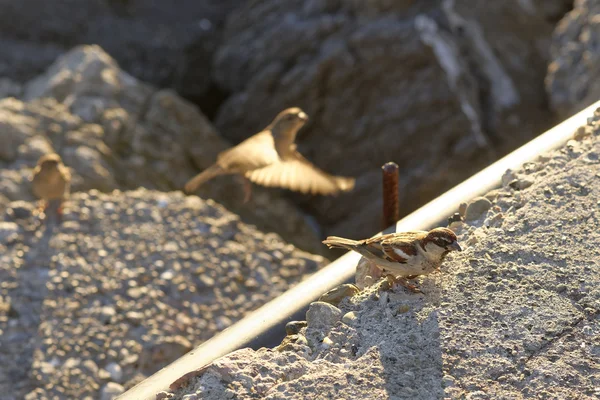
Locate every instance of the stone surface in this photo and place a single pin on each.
(127, 283)
(339, 293)
(167, 44)
(432, 86)
(515, 315)
(572, 80)
(117, 132)
(477, 208)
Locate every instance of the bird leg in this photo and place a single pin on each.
(400, 281)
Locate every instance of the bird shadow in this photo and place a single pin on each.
(411, 357)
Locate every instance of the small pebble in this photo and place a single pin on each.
(294, 327)
(111, 390)
(508, 177)
(339, 293)
(327, 343)
(477, 208)
(322, 315)
(115, 371)
(9, 231)
(350, 318)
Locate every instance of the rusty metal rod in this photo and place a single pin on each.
(391, 205)
(271, 315)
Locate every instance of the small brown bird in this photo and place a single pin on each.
(270, 158)
(51, 180)
(403, 254)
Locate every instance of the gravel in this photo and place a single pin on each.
(128, 282)
(515, 315)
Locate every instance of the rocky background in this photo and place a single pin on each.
(137, 93)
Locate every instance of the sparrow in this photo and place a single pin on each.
(270, 158)
(51, 180)
(403, 255)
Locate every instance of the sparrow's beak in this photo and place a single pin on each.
(302, 115)
(455, 246)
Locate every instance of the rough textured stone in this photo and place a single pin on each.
(322, 315)
(127, 283)
(572, 81)
(477, 208)
(433, 86)
(116, 132)
(167, 44)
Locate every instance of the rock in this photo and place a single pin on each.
(165, 45)
(477, 208)
(111, 390)
(115, 371)
(289, 342)
(508, 177)
(9, 231)
(349, 318)
(367, 273)
(9, 88)
(294, 327)
(521, 183)
(570, 83)
(352, 66)
(19, 210)
(114, 131)
(462, 209)
(339, 293)
(454, 218)
(322, 316)
(154, 356)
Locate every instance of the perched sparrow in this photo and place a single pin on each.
(270, 158)
(51, 180)
(404, 254)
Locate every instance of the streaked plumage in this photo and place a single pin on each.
(270, 159)
(404, 254)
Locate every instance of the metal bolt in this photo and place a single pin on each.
(391, 206)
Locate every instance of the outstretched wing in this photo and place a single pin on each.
(298, 174)
(257, 151)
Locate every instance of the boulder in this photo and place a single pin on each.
(572, 78)
(169, 44)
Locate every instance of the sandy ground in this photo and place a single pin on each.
(128, 282)
(515, 315)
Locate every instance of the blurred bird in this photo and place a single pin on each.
(51, 181)
(270, 158)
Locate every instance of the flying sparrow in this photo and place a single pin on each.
(51, 180)
(405, 254)
(270, 158)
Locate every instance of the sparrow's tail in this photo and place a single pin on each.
(193, 184)
(334, 241)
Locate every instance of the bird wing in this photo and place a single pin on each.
(257, 151)
(398, 247)
(296, 173)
